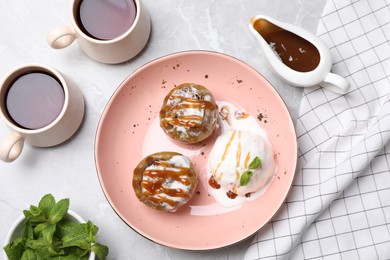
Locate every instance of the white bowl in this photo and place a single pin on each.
(16, 229)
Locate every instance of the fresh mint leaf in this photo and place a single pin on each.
(77, 237)
(69, 257)
(58, 211)
(77, 241)
(91, 231)
(14, 250)
(34, 218)
(48, 233)
(100, 250)
(35, 211)
(41, 253)
(27, 214)
(29, 254)
(39, 228)
(76, 251)
(54, 249)
(65, 227)
(47, 203)
(37, 243)
(256, 163)
(245, 177)
(27, 230)
(53, 252)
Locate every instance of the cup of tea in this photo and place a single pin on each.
(296, 55)
(109, 31)
(40, 106)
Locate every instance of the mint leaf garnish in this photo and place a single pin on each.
(256, 163)
(245, 177)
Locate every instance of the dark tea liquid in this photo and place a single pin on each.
(106, 19)
(34, 100)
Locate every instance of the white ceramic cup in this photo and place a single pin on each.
(117, 50)
(321, 75)
(58, 131)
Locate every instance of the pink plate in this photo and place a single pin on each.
(129, 130)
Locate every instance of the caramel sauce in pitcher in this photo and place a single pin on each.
(294, 51)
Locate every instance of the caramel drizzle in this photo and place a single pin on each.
(238, 157)
(179, 122)
(227, 148)
(226, 114)
(213, 181)
(240, 115)
(247, 158)
(190, 118)
(154, 186)
(173, 116)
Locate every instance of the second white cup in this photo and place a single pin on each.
(40, 107)
(111, 31)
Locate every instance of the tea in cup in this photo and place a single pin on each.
(108, 31)
(296, 55)
(41, 108)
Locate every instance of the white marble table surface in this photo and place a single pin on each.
(68, 170)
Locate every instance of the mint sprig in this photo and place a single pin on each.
(47, 234)
(247, 175)
(256, 163)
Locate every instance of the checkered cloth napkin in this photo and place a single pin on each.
(339, 203)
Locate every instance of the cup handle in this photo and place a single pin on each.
(336, 83)
(12, 147)
(61, 37)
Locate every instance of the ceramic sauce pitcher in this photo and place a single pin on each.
(296, 55)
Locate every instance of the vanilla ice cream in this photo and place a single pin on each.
(241, 163)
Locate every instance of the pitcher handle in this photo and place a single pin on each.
(336, 83)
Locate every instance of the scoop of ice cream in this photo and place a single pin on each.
(241, 162)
